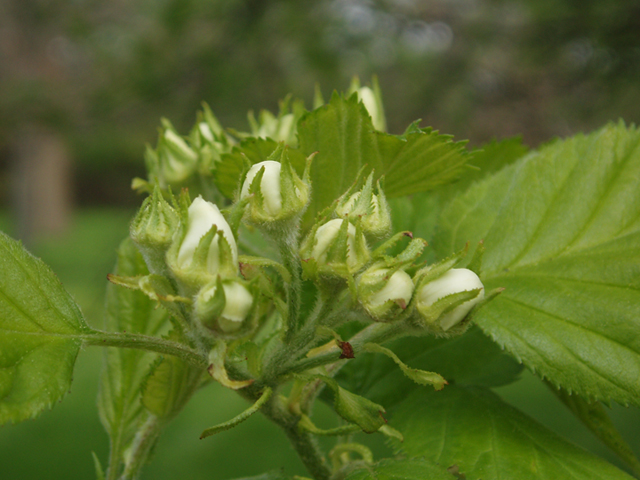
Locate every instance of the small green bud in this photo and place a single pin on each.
(278, 192)
(383, 292)
(204, 247)
(223, 309)
(372, 208)
(335, 245)
(452, 282)
(177, 161)
(152, 230)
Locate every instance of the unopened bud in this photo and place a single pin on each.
(452, 282)
(152, 230)
(278, 192)
(204, 247)
(335, 244)
(384, 293)
(371, 208)
(224, 310)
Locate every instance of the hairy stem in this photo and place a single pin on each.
(145, 342)
(142, 444)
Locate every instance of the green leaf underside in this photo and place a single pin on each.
(486, 438)
(125, 369)
(470, 359)
(401, 469)
(40, 326)
(169, 387)
(342, 134)
(562, 235)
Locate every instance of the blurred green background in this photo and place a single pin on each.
(84, 83)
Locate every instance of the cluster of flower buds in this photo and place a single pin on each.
(203, 260)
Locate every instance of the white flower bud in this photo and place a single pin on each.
(202, 248)
(384, 294)
(269, 186)
(279, 194)
(202, 216)
(326, 235)
(237, 305)
(453, 281)
(373, 104)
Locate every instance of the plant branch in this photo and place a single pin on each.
(145, 342)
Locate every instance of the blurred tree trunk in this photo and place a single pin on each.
(41, 184)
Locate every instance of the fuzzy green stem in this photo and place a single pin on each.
(375, 333)
(145, 342)
(141, 447)
(303, 442)
(288, 248)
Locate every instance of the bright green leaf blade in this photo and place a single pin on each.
(342, 134)
(470, 359)
(487, 438)
(40, 325)
(125, 369)
(562, 235)
(401, 469)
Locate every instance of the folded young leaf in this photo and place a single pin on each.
(401, 469)
(561, 229)
(125, 369)
(486, 438)
(40, 329)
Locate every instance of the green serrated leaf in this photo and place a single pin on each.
(342, 134)
(470, 359)
(561, 229)
(125, 369)
(40, 328)
(401, 469)
(487, 438)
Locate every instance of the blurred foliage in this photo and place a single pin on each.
(102, 73)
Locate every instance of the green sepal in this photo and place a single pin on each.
(264, 398)
(157, 288)
(307, 425)
(431, 314)
(421, 377)
(207, 313)
(217, 370)
(152, 230)
(436, 270)
(98, 466)
(354, 408)
(267, 262)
